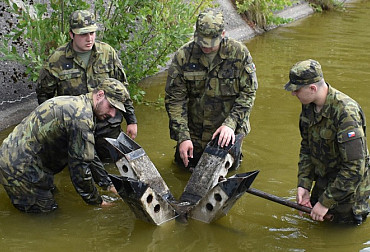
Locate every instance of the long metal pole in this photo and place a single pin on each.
(284, 202)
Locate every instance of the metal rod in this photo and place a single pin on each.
(284, 202)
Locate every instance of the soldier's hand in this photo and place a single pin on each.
(226, 135)
(112, 189)
(318, 212)
(303, 198)
(106, 204)
(107, 201)
(131, 130)
(186, 151)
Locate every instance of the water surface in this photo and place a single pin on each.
(341, 43)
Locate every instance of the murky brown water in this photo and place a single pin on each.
(341, 43)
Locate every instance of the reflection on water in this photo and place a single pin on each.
(340, 42)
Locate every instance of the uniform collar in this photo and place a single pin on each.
(327, 108)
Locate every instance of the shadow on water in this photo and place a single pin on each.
(340, 42)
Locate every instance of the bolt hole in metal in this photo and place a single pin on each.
(218, 197)
(149, 199)
(124, 168)
(157, 208)
(209, 207)
(227, 165)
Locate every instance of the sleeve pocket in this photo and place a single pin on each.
(351, 144)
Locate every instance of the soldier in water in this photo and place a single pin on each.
(58, 133)
(210, 91)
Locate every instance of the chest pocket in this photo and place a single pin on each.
(103, 69)
(228, 81)
(195, 81)
(70, 82)
(326, 148)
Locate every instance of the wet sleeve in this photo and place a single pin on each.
(351, 144)
(176, 100)
(243, 104)
(81, 154)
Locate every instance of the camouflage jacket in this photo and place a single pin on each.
(64, 74)
(334, 153)
(200, 98)
(57, 133)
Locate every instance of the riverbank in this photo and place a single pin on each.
(18, 101)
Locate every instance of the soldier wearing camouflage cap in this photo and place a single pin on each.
(334, 151)
(77, 68)
(210, 90)
(58, 133)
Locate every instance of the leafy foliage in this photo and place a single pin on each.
(320, 5)
(261, 12)
(143, 33)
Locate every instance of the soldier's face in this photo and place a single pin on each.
(104, 110)
(207, 50)
(83, 42)
(305, 94)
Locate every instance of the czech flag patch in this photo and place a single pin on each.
(351, 134)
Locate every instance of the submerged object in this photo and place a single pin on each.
(132, 162)
(143, 200)
(140, 184)
(208, 195)
(211, 168)
(220, 199)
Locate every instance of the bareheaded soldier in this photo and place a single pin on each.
(210, 91)
(58, 133)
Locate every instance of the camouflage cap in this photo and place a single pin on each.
(304, 73)
(82, 21)
(209, 28)
(115, 92)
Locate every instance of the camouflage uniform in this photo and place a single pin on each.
(57, 133)
(200, 97)
(333, 151)
(335, 155)
(65, 74)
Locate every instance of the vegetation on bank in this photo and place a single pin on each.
(143, 33)
(260, 13)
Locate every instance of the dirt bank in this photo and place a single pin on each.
(18, 101)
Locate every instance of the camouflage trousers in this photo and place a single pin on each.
(29, 198)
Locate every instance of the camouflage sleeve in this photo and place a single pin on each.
(306, 169)
(176, 100)
(120, 75)
(81, 154)
(46, 85)
(351, 141)
(247, 93)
